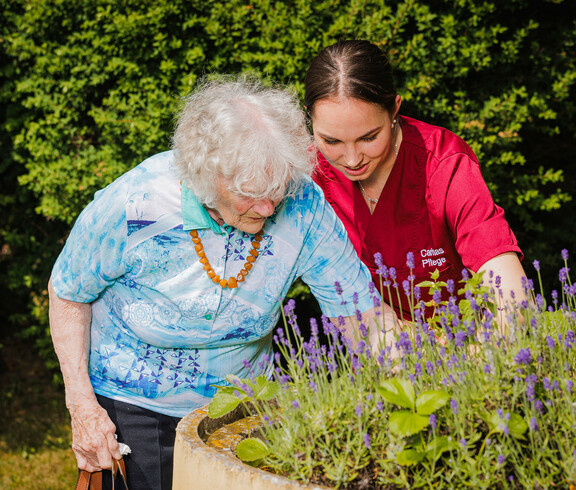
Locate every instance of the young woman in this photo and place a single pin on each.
(400, 185)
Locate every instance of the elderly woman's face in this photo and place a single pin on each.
(244, 213)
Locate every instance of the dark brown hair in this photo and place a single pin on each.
(357, 69)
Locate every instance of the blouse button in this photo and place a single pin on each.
(208, 316)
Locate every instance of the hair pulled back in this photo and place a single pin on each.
(354, 68)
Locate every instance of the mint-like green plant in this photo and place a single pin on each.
(244, 391)
(405, 423)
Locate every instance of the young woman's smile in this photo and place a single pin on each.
(356, 137)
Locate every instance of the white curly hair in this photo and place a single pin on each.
(252, 135)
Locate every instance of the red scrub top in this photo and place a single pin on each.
(435, 204)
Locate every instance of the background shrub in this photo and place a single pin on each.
(90, 88)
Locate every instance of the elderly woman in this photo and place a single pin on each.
(173, 276)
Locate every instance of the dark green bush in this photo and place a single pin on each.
(90, 88)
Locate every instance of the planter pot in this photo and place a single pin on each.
(205, 459)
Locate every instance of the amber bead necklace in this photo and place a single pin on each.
(231, 282)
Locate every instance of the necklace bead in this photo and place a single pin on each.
(231, 282)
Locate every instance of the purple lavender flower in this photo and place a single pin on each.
(417, 292)
(524, 356)
(564, 254)
(500, 459)
(530, 384)
(247, 364)
(430, 368)
(533, 424)
(378, 259)
(563, 274)
(433, 421)
(295, 404)
(405, 343)
(450, 286)
(538, 406)
(379, 406)
(463, 442)
(487, 368)
(338, 288)
(410, 260)
(249, 391)
(550, 342)
(437, 296)
(418, 369)
(569, 385)
(460, 338)
(406, 286)
(536, 265)
(314, 327)
(358, 410)
(497, 282)
(367, 441)
(290, 307)
(554, 295)
(392, 272)
(454, 406)
(547, 384)
(465, 274)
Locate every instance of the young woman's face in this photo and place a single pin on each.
(356, 137)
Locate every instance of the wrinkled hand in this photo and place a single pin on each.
(93, 439)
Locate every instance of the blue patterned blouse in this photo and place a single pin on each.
(162, 332)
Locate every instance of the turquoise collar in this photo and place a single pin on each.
(194, 215)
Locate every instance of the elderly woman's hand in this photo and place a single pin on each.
(93, 436)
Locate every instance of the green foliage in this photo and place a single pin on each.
(90, 88)
(249, 392)
(428, 410)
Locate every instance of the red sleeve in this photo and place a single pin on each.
(457, 189)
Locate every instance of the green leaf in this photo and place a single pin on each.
(409, 457)
(399, 392)
(222, 404)
(516, 424)
(436, 447)
(430, 401)
(225, 389)
(234, 380)
(268, 391)
(426, 284)
(252, 449)
(405, 423)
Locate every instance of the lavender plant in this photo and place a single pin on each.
(468, 403)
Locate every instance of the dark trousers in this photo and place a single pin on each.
(150, 436)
